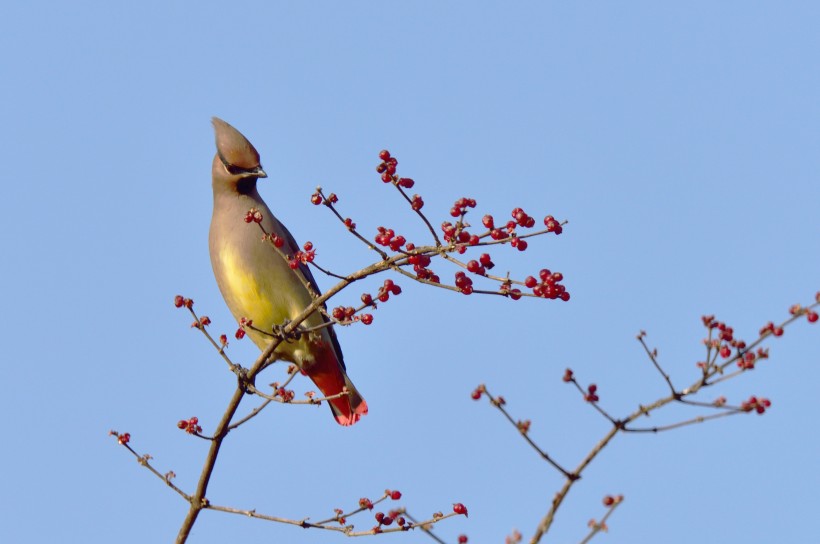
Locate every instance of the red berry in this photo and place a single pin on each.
(462, 539)
(530, 282)
(384, 155)
(515, 294)
(395, 495)
(367, 319)
(487, 221)
(812, 316)
(316, 198)
(459, 508)
(179, 301)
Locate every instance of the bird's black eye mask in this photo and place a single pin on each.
(236, 170)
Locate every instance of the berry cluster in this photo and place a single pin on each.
(253, 216)
(316, 198)
(461, 205)
(286, 395)
(759, 405)
(748, 359)
(203, 321)
(347, 315)
(122, 438)
(477, 392)
(180, 301)
(481, 266)
(393, 515)
(464, 284)
(302, 257)
(387, 168)
(190, 426)
(811, 315)
(459, 234)
(591, 394)
(387, 237)
(549, 287)
(420, 264)
(243, 322)
(520, 218)
(770, 328)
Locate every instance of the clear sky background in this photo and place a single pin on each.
(680, 141)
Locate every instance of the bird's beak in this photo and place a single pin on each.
(260, 173)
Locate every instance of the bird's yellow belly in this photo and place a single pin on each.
(265, 300)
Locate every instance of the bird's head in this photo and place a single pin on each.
(236, 159)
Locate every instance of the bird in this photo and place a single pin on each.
(257, 283)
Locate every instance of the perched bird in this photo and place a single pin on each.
(258, 284)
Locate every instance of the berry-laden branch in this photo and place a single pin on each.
(414, 261)
(337, 523)
(720, 344)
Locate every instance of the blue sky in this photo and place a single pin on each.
(680, 141)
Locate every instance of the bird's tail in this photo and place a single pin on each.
(331, 379)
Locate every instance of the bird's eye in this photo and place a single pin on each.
(235, 170)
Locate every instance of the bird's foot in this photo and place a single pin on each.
(279, 332)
